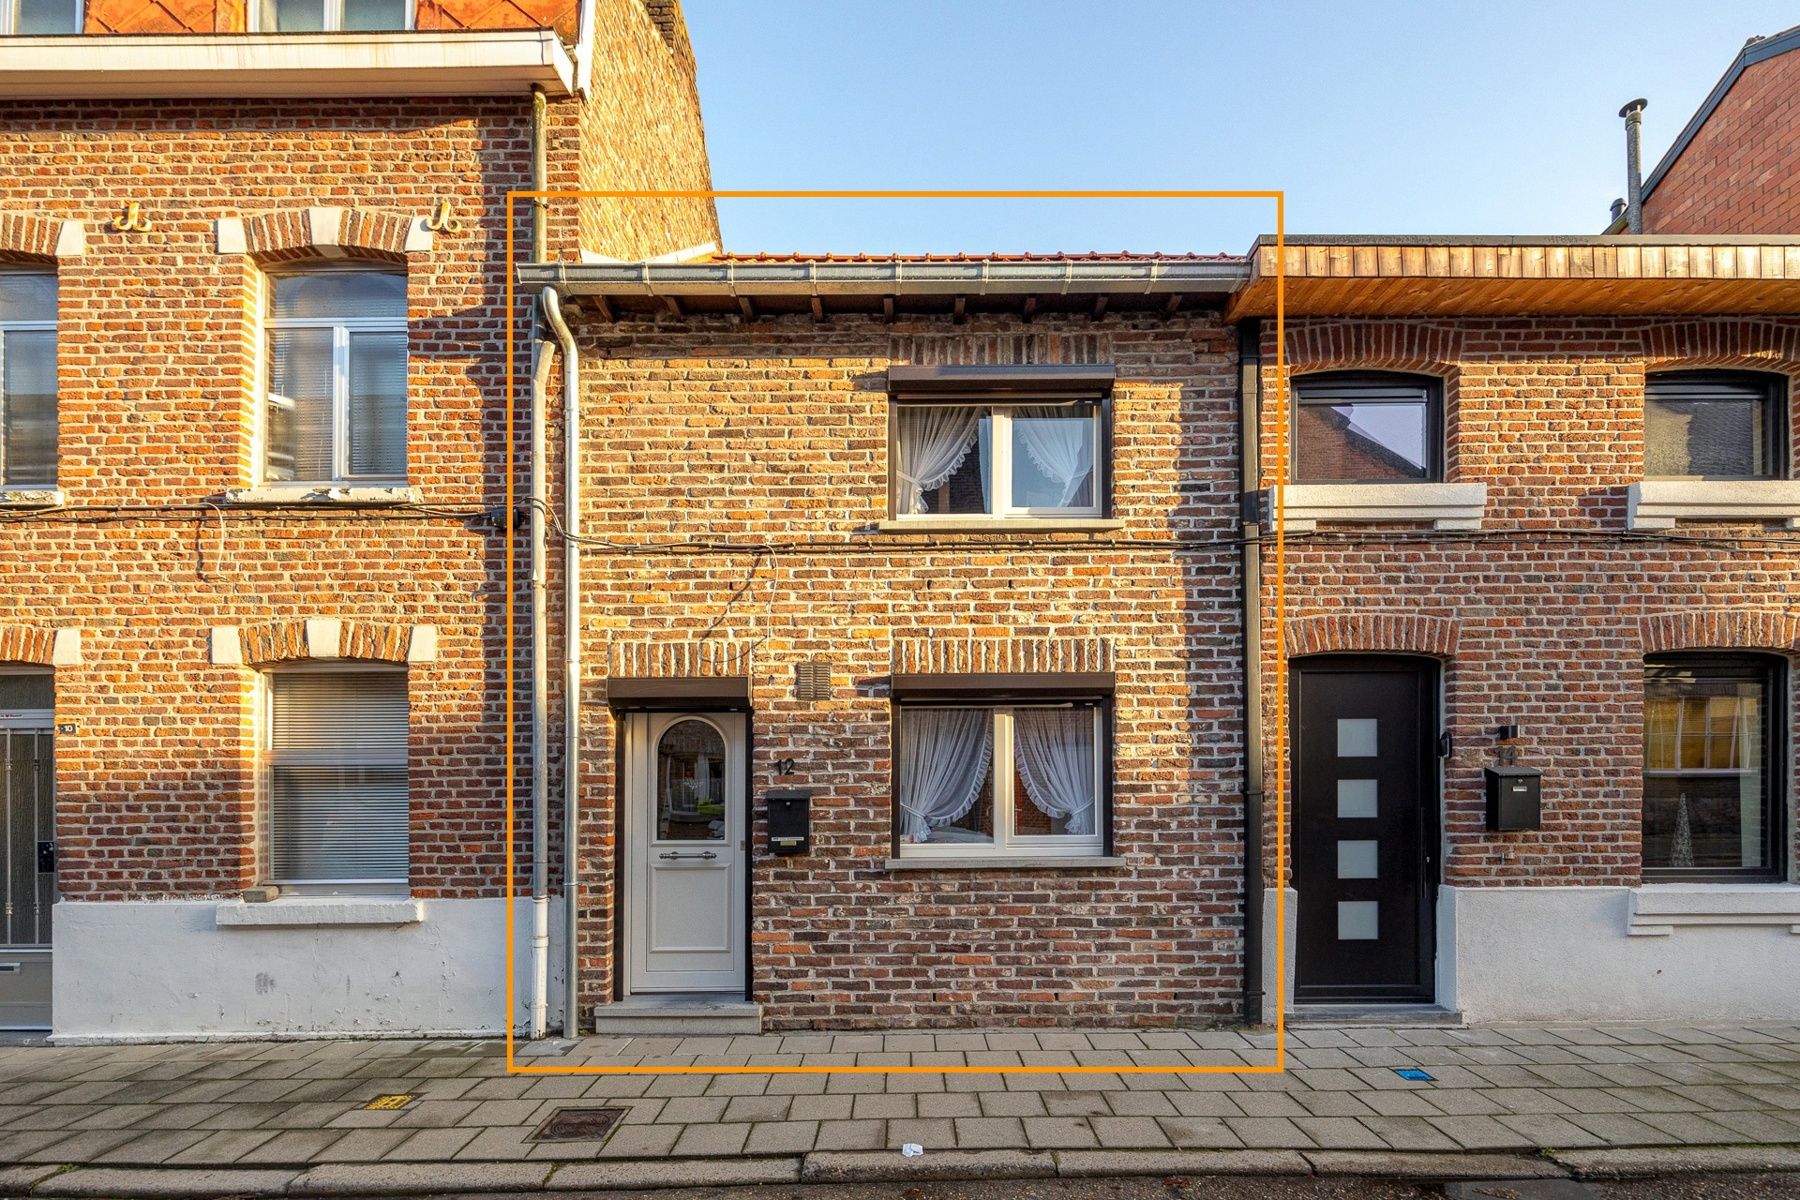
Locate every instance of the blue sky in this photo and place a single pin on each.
(1446, 117)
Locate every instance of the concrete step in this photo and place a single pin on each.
(1328, 1015)
(679, 1014)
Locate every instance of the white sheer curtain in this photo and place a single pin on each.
(1056, 761)
(933, 443)
(944, 754)
(1061, 447)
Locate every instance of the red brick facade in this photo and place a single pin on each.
(1542, 618)
(772, 437)
(1741, 171)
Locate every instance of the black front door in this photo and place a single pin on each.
(1365, 828)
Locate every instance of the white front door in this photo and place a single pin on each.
(685, 833)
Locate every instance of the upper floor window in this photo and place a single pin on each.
(27, 380)
(1360, 427)
(1022, 779)
(1712, 790)
(322, 16)
(1715, 425)
(336, 408)
(28, 18)
(977, 442)
(335, 774)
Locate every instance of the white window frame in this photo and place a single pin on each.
(1006, 843)
(9, 20)
(1000, 484)
(265, 736)
(342, 328)
(6, 327)
(334, 18)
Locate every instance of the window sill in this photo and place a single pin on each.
(1007, 863)
(312, 495)
(1445, 505)
(29, 497)
(1000, 525)
(1657, 908)
(1659, 503)
(310, 911)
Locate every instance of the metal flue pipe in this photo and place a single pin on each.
(1634, 159)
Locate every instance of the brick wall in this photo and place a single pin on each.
(774, 434)
(1741, 172)
(1543, 617)
(158, 390)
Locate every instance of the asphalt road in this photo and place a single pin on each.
(1678, 1187)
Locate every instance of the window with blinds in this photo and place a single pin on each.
(336, 404)
(336, 777)
(27, 379)
(1715, 425)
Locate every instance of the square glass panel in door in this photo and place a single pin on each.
(690, 783)
(1356, 737)
(1357, 799)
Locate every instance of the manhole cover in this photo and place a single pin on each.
(578, 1125)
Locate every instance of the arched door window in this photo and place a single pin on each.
(690, 783)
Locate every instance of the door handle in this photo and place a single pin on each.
(678, 854)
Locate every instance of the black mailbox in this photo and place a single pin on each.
(1514, 797)
(790, 821)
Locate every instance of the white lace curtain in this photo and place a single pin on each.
(933, 442)
(1061, 448)
(1056, 761)
(944, 755)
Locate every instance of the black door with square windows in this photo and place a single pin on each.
(1365, 829)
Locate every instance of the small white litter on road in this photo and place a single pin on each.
(911, 1149)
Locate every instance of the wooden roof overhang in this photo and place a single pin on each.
(1406, 276)
(889, 287)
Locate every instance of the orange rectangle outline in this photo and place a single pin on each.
(1281, 689)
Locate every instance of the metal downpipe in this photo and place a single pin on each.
(540, 672)
(552, 304)
(1249, 399)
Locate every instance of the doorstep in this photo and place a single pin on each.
(1327, 1015)
(688, 1014)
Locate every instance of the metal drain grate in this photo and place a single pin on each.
(578, 1125)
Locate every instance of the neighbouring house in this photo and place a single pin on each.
(1538, 625)
(1735, 165)
(251, 489)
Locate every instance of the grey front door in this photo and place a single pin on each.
(27, 869)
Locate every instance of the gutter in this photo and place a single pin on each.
(1249, 406)
(984, 278)
(571, 531)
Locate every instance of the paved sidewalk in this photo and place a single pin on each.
(294, 1116)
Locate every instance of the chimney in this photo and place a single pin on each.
(1618, 209)
(1634, 155)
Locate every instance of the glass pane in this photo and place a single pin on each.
(1054, 755)
(690, 783)
(27, 297)
(49, 16)
(945, 775)
(1053, 457)
(1362, 442)
(28, 409)
(294, 16)
(26, 690)
(299, 434)
(1706, 439)
(1359, 920)
(1356, 737)
(327, 295)
(374, 14)
(1356, 799)
(941, 461)
(1706, 792)
(1358, 859)
(378, 405)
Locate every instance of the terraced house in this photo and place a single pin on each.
(253, 316)
(895, 639)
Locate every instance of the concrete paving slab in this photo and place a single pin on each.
(1102, 1163)
(1638, 1162)
(1401, 1165)
(400, 1179)
(630, 1174)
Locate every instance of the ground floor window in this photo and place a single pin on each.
(1022, 779)
(335, 774)
(1713, 801)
